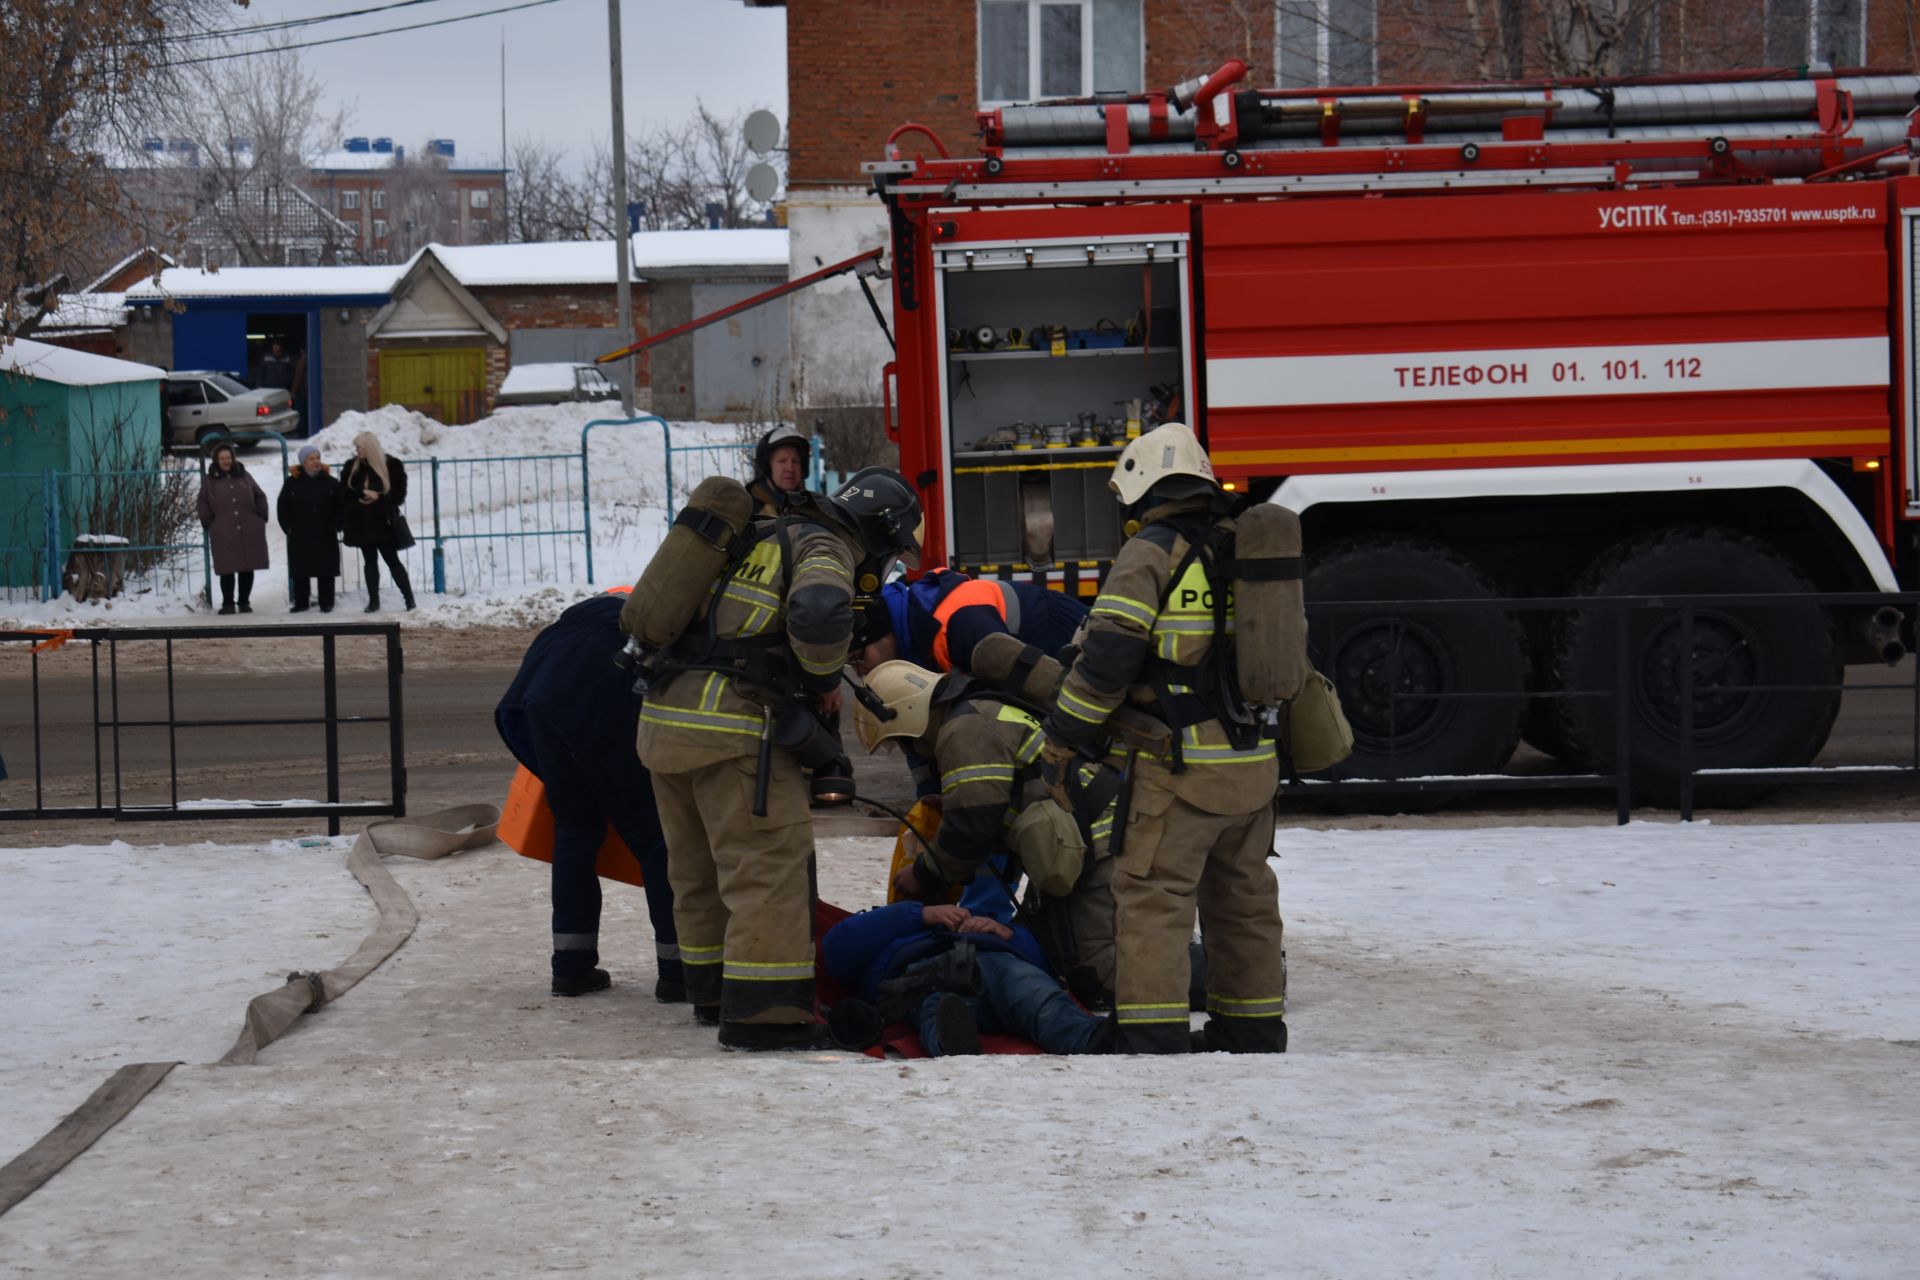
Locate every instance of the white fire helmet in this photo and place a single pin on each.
(1170, 449)
(906, 689)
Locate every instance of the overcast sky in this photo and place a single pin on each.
(445, 82)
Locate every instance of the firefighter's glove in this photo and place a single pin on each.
(1057, 763)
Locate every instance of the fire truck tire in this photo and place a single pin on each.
(1546, 726)
(1777, 645)
(1438, 652)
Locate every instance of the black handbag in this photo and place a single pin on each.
(402, 531)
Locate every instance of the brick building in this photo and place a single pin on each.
(397, 202)
(938, 62)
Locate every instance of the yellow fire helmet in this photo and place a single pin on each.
(907, 690)
(1168, 450)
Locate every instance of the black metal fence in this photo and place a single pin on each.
(1655, 700)
(108, 724)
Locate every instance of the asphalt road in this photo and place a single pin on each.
(453, 755)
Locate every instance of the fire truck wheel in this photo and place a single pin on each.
(1732, 648)
(1546, 727)
(1368, 654)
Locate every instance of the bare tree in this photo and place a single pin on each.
(677, 171)
(548, 198)
(250, 127)
(423, 206)
(1413, 41)
(81, 81)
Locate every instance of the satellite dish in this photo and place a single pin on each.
(762, 132)
(763, 180)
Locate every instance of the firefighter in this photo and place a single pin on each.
(1198, 817)
(936, 620)
(780, 463)
(985, 750)
(570, 716)
(759, 668)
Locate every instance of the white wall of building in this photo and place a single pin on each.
(836, 349)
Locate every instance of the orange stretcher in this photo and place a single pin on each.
(526, 827)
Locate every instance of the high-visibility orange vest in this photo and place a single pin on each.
(978, 591)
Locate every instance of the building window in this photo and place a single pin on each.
(379, 228)
(349, 199)
(1033, 49)
(378, 197)
(1802, 31)
(482, 231)
(478, 199)
(1325, 42)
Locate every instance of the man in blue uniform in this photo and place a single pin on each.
(570, 717)
(936, 620)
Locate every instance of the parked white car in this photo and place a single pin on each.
(201, 404)
(555, 384)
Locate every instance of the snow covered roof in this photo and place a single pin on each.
(592, 261)
(365, 161)
(269, 282)
(124, 263)
(88, 311)
(560, 262)
(344, 161)
(748, 247)
(71, 368)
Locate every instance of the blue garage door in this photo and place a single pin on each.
(211, 340)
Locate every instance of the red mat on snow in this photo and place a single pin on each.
(898, 1039)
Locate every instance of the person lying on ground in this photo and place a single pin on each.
(951, 975)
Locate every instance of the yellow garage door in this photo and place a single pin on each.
(446, 383)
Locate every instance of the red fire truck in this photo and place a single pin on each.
(1541, 340)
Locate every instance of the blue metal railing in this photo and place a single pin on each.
(477, 522)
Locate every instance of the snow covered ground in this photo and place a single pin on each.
(1647, 1051)
(524, 580)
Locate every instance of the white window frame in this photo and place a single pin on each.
(1033, 50)
(480, 198)
(350, 200)
(377, 198)
(379, 228)
(1323, 45)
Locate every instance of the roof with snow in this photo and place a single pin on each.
(364, 161)
(80, 311)
(592, 261)
(71, 368)
(124, 263)
(269, 282)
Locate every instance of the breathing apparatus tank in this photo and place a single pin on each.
(676, 582)
(1269, 609)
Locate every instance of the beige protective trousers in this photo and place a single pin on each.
(1176, 859)
(742, 900)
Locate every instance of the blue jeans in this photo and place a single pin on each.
(1017, 999)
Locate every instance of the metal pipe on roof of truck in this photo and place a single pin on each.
(1873, 134)
(1379, 114)
(1591, 108)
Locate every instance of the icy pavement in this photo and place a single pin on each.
(1649, 1051)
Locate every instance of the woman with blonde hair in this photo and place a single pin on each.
(376, 492)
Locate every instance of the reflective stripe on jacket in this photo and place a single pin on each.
(1129, 625)
(698, 718)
